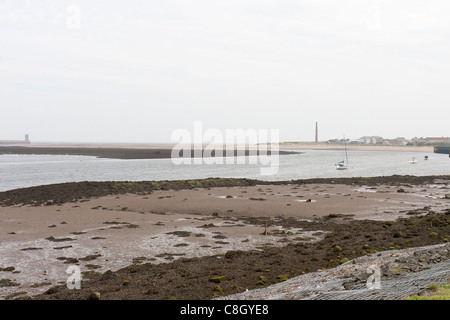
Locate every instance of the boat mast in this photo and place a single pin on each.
(345, 148)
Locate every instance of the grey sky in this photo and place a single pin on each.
(134, 71)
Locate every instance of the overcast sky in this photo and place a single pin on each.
(135, 71)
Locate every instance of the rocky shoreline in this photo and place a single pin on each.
(211, 238)
(308, 267)
(417, 268)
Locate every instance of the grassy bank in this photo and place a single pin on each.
(435, 292)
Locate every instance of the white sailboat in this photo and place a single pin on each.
(343, 165)
(413, 160)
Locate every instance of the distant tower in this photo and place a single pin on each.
(27, 138)
(317, 133)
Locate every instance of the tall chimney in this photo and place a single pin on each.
(317, 133)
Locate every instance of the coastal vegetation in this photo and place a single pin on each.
(235, 271)
(434, 292)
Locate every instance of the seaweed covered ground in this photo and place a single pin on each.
(74, 191)
(207, 277)
(236, 271)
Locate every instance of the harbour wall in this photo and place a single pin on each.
(445, 150)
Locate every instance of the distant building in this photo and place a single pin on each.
(400, 141)
(371, 140)
(338, 141)
(10, 142)
(431, 140)
(317, 133)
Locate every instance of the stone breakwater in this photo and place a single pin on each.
(402, 273)
(420, 259)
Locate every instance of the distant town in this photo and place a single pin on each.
(366, 140)
(400, 141)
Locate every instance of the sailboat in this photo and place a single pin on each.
(343, 165)
(413, 160)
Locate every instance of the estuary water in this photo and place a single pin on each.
(19, 171)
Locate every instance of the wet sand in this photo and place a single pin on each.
(162, 228)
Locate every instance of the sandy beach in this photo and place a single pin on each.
(240, 231)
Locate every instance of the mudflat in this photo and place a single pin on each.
(125, 152)
(200, 239)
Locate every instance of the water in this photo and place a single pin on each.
(18, 171)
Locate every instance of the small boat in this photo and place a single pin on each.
(413, 161)
(342, 165)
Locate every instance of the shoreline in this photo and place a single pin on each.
(167, 239)
(125, 152)
(164, 151)
(60, 193)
